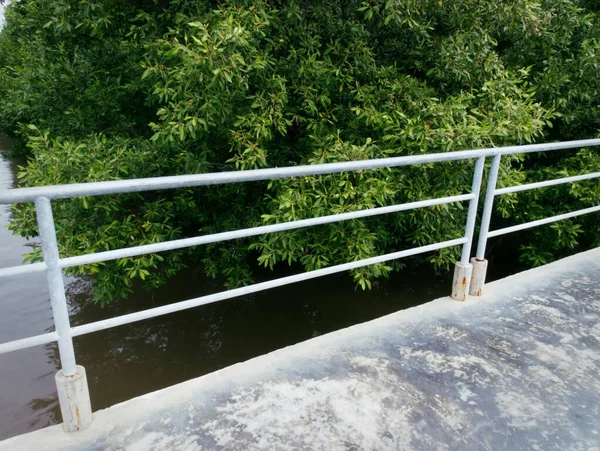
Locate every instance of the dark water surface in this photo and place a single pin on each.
(131, 360)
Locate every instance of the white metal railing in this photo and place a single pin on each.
(492, 192)
(53, 263)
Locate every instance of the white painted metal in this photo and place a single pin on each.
(182, 181)
(480, 263)
(488, 206)
(22, 269)
(55, 285)
(461, 281)
(74, 400)
(575, 178)
(28, 342)
(211, 298)
(472, 214)
(540, 222)
(253, 231)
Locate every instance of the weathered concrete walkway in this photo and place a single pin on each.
(516, 369)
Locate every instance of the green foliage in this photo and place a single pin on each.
(96, 224)
(65, 68)
(110, 90)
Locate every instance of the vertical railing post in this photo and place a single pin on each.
(463, 269)
(479, 262)
(71, 381)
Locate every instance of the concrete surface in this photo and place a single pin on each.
(518, 369)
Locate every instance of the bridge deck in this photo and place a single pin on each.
(516, 369)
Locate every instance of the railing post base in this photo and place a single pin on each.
(461, 281)
(478, 278)
(74, 400)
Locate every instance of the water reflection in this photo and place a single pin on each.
(46, 412)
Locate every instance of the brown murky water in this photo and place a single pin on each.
(131, 360)
(27, 392)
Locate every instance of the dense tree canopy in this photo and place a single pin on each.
(107, 89)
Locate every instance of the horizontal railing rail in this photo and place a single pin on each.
(545, 184)
(53, 264)
(255, 288)
(539, 222)
(13, 196)
(492, 192)
(99, 257)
